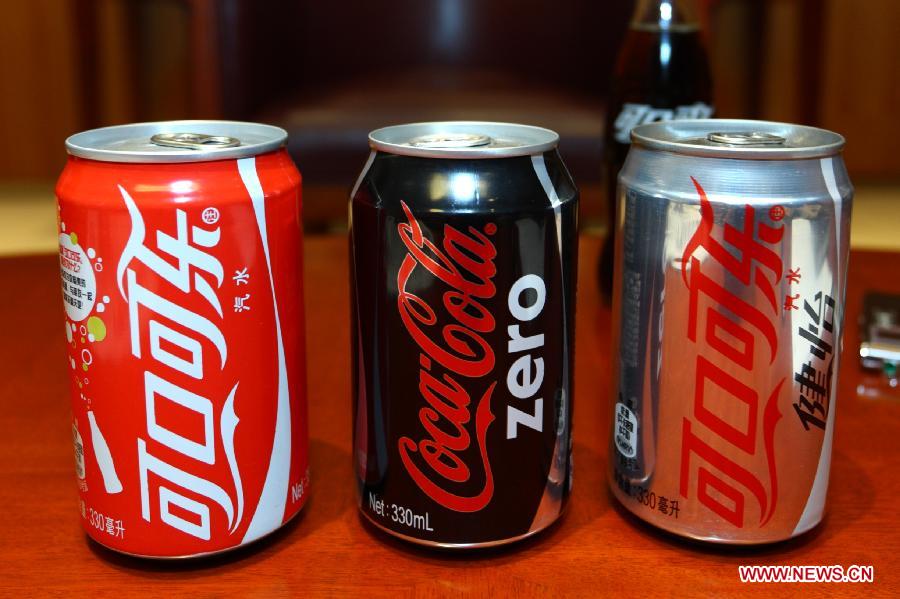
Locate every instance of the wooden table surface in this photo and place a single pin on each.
(595, 549)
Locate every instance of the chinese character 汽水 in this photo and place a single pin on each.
(240, 303)
(241, 277)
(789, 301)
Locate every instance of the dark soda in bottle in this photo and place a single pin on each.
(661, 74)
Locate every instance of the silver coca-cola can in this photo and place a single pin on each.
(731, 265)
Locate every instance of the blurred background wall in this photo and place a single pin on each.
(330, 71)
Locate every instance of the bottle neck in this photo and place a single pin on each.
(676, 15)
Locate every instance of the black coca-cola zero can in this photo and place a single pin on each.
(463, 251)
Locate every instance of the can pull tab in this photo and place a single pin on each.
(450, 140)
(748, 138)
(194, 141)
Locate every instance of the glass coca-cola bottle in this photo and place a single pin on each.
(661, 74)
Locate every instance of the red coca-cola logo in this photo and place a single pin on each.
(735, 318)
(466, 266)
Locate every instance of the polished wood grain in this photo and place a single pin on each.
(596, 549)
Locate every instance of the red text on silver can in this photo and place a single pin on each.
(181, 272)
(731, 271)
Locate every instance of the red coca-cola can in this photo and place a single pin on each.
(180, 252)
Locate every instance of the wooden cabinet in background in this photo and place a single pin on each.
(67, 65)
(41, 96)
(860, 86)
(836, 64)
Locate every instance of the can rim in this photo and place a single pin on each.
(514, 139)
(123, 143)
(689, 137)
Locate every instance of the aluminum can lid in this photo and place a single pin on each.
(739, 139)
(463, 139)
(176, 141)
